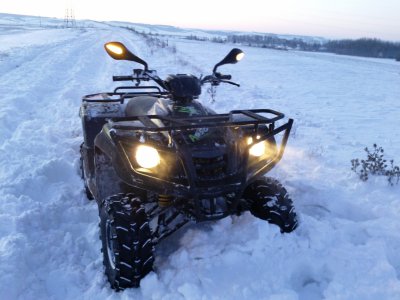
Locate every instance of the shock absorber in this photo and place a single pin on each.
(164, 200)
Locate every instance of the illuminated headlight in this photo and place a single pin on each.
(258, 149)
(147, 157)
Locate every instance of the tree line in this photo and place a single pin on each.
(365, 47)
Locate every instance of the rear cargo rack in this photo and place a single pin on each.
(119, 95)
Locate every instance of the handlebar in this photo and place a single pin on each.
(139, 75)
(223, 77)
(123, 78)
(217, 78)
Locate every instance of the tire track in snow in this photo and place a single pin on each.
(48, 228)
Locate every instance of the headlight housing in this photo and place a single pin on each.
(261, 154)
(152, 161)
(147, 157)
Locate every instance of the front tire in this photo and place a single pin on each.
(270, 201)
(126, 240)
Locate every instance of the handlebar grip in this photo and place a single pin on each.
(122, 78)
(225, 77)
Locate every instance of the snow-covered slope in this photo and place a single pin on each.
(167, 30)
(348, 243)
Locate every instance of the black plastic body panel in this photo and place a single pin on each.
(94, 115)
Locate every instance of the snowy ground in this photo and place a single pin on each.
(348, 244)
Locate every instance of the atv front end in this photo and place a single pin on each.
(200, 164)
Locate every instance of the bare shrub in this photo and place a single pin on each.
(376, 164)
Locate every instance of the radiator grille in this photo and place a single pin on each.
(210, 168)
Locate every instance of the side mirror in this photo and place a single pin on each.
(118, 51)
(232, 58)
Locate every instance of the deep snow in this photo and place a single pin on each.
(348, 244)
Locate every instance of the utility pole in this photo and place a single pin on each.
(69, 18)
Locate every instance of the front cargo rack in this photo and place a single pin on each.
(254, 117)
(250, 119)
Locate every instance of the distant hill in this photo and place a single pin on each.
(360, 47)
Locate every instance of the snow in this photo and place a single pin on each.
(347, 246)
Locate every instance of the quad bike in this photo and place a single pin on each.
(155, 159)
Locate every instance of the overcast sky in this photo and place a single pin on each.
(328, 18)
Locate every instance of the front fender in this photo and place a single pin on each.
(106, 145)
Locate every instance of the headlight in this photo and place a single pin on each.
(147, 157)
(258, 149)
(266, 148)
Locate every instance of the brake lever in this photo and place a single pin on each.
(231, 82)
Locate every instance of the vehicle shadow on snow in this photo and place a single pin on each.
(174, 242)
